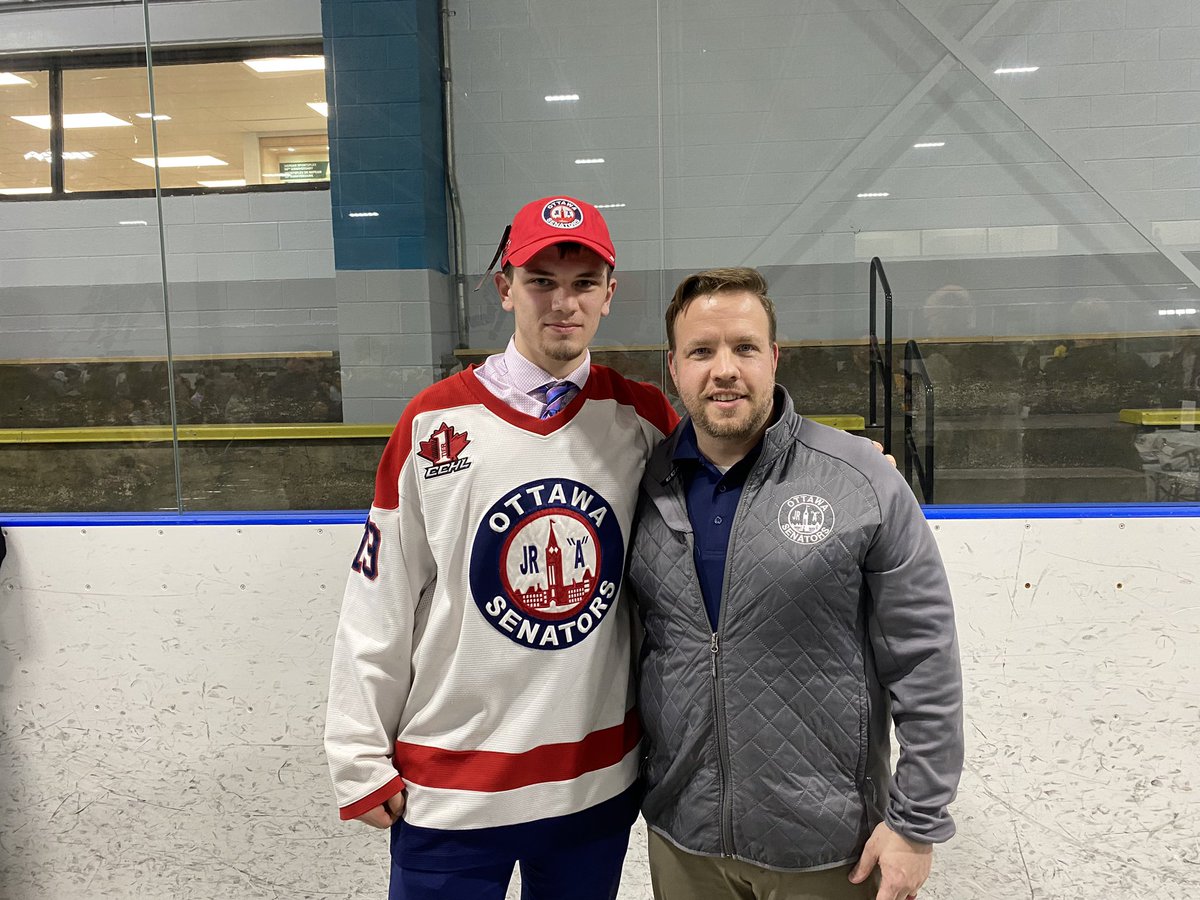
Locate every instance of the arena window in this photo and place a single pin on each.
(228, 119)
(24, 157)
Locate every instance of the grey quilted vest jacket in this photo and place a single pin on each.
(768, 741)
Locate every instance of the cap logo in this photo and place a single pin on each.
(562, 213)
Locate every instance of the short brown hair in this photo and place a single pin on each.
(719, 281)
(565, 249)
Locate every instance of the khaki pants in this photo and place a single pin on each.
(678, 875)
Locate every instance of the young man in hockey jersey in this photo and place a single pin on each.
(481, 701)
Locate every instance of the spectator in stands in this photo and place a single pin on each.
(150, 382)
(949, 312)
(143, 413)
(186, 402)
(1177, 376)
(60, 385)
(1099, 371)
(333, 395)
(245, 399)
(298, 387)
(121, 412)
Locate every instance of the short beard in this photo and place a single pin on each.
(561, 352)
(730, 429)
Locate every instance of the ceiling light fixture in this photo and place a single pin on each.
(561, 98)
(610, 206)
(589, 162)
(927, 144)
(15, 191)
(45, 155)
(76, 120)
(364, 215)
(228, 182)
(286, 64)
(1189, 311)
(179, 162)
(157, 118)
(7, 78)
(134, 222)
(322, 108)
(872, 195)
(1017, 70)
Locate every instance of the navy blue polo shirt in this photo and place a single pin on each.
(712, 500)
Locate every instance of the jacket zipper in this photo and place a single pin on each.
(725, 802)
(726, 795)
(714, 646)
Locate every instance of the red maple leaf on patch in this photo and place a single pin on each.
(444, 445)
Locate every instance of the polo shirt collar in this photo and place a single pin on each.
(687, 449)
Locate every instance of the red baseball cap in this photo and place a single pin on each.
(553, 220)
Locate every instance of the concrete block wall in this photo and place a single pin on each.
(255, 272)
(395, 329)
(741, 134)
(731, 134)
(1007, 297)
(390, 217)
(246, 273)
(120, 24)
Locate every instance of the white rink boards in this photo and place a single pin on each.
(162, 699)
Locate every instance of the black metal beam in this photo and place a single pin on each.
(57, 138)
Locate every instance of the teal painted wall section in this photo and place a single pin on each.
(384, 84)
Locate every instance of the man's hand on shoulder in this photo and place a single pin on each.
(890, 458)
(385, 814)
(903, 864)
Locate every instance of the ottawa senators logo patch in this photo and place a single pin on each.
(806, 519)
(546, 563)
(562, 213)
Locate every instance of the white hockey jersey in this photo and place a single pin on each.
(482, 660)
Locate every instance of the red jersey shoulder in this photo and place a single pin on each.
(447, 394)
(651, 403)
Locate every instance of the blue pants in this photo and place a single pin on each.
(576, 871)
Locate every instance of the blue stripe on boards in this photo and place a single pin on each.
(357, 517)
(160, 519)
(1065, 511)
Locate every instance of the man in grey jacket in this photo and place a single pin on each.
(794, 606)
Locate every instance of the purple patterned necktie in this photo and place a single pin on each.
(558, 395)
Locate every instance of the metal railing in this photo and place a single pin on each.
(922, 460)
(881, 360)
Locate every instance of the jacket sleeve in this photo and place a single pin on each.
(910, 623)
(372, 652)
